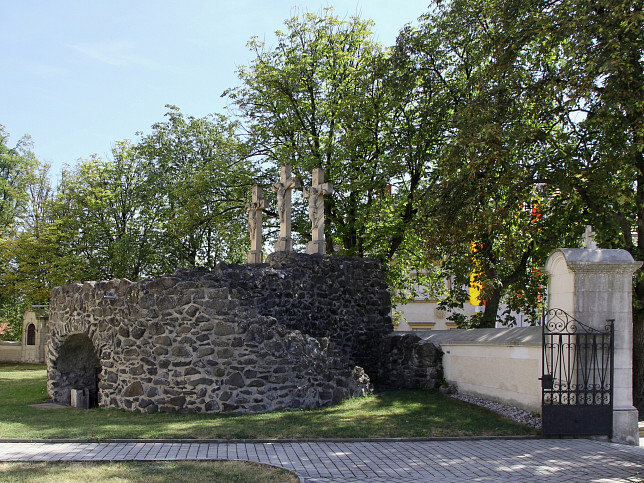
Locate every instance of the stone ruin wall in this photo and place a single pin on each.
(407, 361)
(292, 333)
(345, 299)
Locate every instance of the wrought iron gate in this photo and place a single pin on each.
(577, 377)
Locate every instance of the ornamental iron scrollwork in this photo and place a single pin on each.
(560, 321)
(577, 376)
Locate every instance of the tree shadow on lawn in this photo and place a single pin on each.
(148, 471)
(407, 413)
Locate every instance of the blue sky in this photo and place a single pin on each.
(79, 75)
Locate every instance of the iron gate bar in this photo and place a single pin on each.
(577, 376)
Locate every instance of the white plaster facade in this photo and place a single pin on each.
(31, 349)
(424, 313)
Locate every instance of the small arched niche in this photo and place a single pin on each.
(79, 367)
(31, 334)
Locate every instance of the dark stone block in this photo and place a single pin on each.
(201, 381)
(163, 340)
(212, 406)
(223, 329)
(180, 351)
(161, 351)
(225, 353)
(146, 301)
(191, 310)
(202, 318)
(136, 371)
(156, 328)
(205, 351)
(134, 389)
(131, 352)
(235, 380)
(228, 407)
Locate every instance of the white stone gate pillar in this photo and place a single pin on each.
(594, 285)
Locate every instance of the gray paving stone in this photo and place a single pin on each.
(481, 460)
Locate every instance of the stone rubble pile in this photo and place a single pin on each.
(511, 412)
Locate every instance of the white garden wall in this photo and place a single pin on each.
(502, 365)
(10, 351)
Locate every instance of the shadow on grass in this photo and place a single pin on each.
(407, 413)
(175, 471)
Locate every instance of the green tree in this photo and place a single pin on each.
(546, 112)
(16, 167)
(317, 100)
(489, 207)
(199, 179)
(35, 254)
(102, 209)
(17, 164)
(602, 80)
(174, 199)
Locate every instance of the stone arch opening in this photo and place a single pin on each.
(79, 367)
(31, 334)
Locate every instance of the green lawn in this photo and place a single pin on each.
(149, 472)
(390, 414)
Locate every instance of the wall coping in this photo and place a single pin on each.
(10, 342)
(510, 336)
(596, 260)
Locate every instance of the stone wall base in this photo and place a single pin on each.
(625, 428)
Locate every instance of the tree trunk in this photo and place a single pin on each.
(491, 308)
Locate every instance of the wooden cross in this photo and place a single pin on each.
(588, 237)
(255, 209)
(283, 189)
(315, 193)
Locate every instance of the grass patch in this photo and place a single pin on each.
(390, 414)
(147, 472)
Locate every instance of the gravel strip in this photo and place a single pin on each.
(513, 413)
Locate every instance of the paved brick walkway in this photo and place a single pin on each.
(478, 460)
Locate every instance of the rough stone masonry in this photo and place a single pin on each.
(299, 331)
